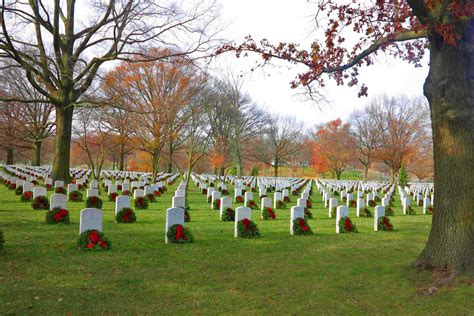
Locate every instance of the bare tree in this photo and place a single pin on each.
(196, 134)
(119, 122)
(281, 140)
(366, 135)
(403, 125)
(37, 117)
(94, 138)
(12, 136)
(62, 58)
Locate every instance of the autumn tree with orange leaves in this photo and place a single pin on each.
(406, 29)
(402, 125)
(333, 148)
(156, 94)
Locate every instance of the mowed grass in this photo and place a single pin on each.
(42, 271)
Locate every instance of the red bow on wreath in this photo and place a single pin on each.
(348, 224)
(94, 238)
(246, 223)
(179, 232)
(59, 215)
(303, 225)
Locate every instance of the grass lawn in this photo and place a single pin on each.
(42, 272)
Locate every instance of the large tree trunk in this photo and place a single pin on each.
(37, 160)
(239, 160)
(10, 152)
(170, 158)
(121, 157)
(275, 170)
(392, 175)
(62, 146)
(450, 92)
(366, 173)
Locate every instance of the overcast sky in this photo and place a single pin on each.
(285, 20)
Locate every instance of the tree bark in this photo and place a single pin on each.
(62, 146)
(170, 158)
(239, 159)
(222, 171)
(10, 152)
(275, 170)
(449, 89)
(366, 173)
(392, 175)
(121, 157)
(37, 160)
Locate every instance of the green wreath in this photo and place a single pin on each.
(179, 234)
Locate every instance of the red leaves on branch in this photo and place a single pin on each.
(390, 26)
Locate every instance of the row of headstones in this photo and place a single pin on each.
(91, 219)
(406, 200)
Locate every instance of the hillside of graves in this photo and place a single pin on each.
(42, 270)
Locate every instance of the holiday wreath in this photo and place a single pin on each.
(268, 213)
(125, 215)
(40, 203)
(346, 225)
(247, 229)
(94, 202)
(301, 227)
(93, 240)
(228, 215)
(179, 234)
(57, 215)
(113, 196)
(384, 224)
(140, 203)
(27, 196)
(75, 196)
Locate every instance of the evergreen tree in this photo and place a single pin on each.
(403, 177)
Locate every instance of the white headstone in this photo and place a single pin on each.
(27, 187)
(379, 211)
(342, 211)
(226, 202)
(248, 197)
(174, 216)
(90, 218)
(295, 212)
(301, 202)
(57, 200)
(360, 205)
(406, 202)
(237, 192)
(332, 204)
(266, 202)
(426, 204)
(216, 195)
(240, 213)
(122, 201)
(178, 201)
(138, 193)
(92, 192)
(277, 197)
(39, 191)
(94, 184)
(350, 197)
(125, 186)
(71, 187)
(58, 184)
(112, 188)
